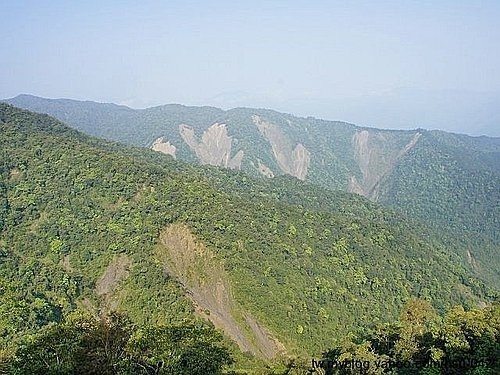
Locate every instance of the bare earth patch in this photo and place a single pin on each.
(215, 146)
(15, 174)
(265, 170)
(116, 271)
(164, 147)
(291, 160)
(376, 159)
(207, 284)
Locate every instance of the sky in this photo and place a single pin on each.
(390, 64)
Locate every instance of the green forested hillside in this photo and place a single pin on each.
(452, 173)
(448, 180)
(93, 226)
(458, 177)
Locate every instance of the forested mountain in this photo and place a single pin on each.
(281, 267)
(451, 181)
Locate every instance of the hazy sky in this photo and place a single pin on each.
(386, 63)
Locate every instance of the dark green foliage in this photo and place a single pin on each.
(188, 349)
(422, 342)
(80, 344)
(83, 344)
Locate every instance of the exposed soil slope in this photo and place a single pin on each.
(215, 146)
(376, 156)
(204, 278)
(291, 160)
(164, 146)
(116, 271)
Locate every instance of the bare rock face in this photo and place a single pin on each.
(214, 147)
(291, 160)
(164, 147)
(376, 159)
(265, 170)
(410, 144)
(235, 162)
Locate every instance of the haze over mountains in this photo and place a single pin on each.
(457, 111)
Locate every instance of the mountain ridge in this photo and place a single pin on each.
(319, 118)
(451, 180)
